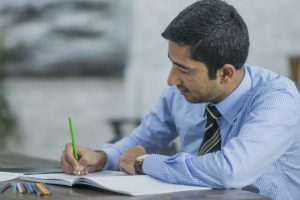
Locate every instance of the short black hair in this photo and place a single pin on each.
(215, 31)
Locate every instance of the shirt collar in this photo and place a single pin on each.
(230, 106)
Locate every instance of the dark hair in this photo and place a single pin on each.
(215, 31)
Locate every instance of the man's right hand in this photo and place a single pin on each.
(88, 160)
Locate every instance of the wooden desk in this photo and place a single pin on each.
(9, 160)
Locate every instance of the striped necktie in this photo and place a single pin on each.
(212, 138)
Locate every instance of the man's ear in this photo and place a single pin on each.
(226, 73)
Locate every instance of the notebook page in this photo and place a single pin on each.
(6, 176)
(66, 179)
(59, 178)
(139, 185)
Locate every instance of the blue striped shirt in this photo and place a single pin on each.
(260, 130)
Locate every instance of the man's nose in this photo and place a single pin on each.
(174, 77)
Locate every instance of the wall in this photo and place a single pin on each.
(43, 105)
(274, 28)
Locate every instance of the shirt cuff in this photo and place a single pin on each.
(153, 165)
(113, 157)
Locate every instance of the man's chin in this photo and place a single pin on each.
(190, 99)
(187, 95)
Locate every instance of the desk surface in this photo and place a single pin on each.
(10, 160)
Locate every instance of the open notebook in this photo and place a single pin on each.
(113, 181)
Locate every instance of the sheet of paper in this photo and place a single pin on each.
(6, 176)
(140, 185)
(61, 178)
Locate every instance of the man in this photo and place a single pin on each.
(239, 125)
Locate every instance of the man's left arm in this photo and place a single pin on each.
(266, 135)
(155, 131)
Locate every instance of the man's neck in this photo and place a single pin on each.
(237, 80)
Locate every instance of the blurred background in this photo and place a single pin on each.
(104, 63)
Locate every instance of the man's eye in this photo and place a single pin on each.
(185, 71)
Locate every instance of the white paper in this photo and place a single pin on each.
(140, 185)
(115, 181)
(6, 176)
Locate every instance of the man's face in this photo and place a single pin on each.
(191, 77)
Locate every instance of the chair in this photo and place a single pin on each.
(294, 62)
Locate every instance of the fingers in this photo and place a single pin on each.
(125, 164)
(93, 161)
(84, 160)
(128, 158)
(84, 163)
(140, 147)
(66, 167)
(89, 160)
(136, 151)
(123, 170)
(69, 156)
(68, 162)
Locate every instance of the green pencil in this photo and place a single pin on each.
(75, 152)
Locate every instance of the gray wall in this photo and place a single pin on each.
(63, 37)
(42, 106)
(274, 28)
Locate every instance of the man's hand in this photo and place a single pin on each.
(88, 160)
(128, 158)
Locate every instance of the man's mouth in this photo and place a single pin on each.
(183, 91)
